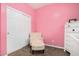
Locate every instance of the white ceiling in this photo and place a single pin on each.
(38, 5)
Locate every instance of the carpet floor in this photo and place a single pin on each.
(49, 51)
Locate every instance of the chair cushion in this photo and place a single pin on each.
(37, 45)
(36, 41)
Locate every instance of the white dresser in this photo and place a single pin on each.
(71, 42)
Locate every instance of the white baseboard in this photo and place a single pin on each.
(54, 46)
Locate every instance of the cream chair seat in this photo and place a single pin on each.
(36, 42)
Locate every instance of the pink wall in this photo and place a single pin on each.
(0, 27)
(34, 22)
(50, 21)
(22, 7)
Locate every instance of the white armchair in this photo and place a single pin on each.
(36, 42)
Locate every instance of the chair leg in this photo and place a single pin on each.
(32, 52)
(43, 51)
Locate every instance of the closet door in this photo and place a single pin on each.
(18, 29)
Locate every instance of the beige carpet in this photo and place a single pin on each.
(49, 51)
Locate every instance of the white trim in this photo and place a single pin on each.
(54, 46)
(21, 12)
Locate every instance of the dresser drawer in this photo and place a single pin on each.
(68, 47)
(74, 53)
(67, 38)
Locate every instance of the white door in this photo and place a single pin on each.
(18, 29)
